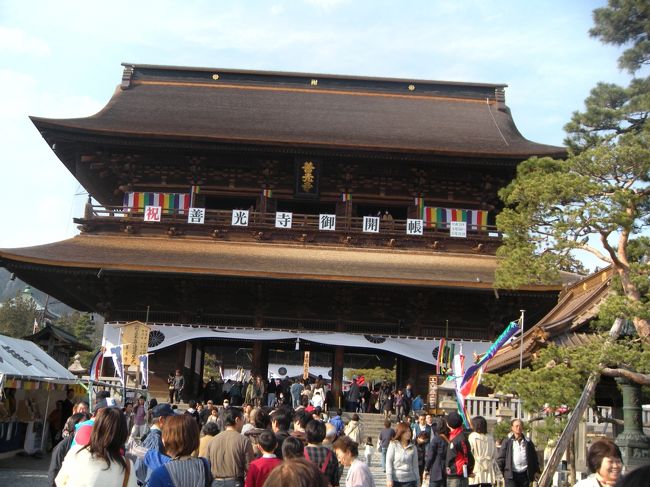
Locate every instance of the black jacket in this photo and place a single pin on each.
(504, 458)
(435, 458)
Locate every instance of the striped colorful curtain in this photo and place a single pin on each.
(168, 201)
(433, 217)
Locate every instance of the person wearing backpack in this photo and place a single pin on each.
(321, 456)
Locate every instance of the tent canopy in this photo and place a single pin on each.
(24, 360)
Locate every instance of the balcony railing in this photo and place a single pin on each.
(304, 228)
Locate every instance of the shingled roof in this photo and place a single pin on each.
(564, 325)
(313, 111)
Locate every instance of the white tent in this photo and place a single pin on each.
(24, 360)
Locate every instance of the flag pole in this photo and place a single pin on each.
(521, 343)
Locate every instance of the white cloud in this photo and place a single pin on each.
(17, 41)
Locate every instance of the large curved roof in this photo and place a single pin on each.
(273, 261)
(308, 110)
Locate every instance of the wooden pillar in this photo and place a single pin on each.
(260, 361)
(337, 376)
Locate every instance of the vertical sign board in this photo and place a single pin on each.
(433, 392)
(134, 337)
(458, 229)
(305, 368)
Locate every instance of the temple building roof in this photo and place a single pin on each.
(211, 107)
(260, 260)
(564, 325)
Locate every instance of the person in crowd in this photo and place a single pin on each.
(330, 435)
(421, 444)
(421, 426)
(258, 392)
(155, 455)
(170, 387)
(153, 402)
(193, 412)
(260, 422)
(179, 385)
(295, 391)
(206, 412)
(517, 457)
(347, 453)
(320, 455)
(83, 429)
(62, 448)
(248, 395)
(211, 391)
(222, 414)
(139, 419)
(129, 415)
(300, 420)
(352, 397)
(67, 407)
(436, 454)
(296, 473)
(459, 462)
(293, 448)
(484, 451)
(370, 451)
(236, 393)
(180, 438)
(230, 452)
(56, 421)
(100, 462)
(402, 460)
(417, 404)
(407, 402)
(271, 393)
(385, 436)
(398, 402)
(280, 424)
(209, 430)
(317, 400)
(354, 429)
(80, 407)
(605, 463)
(337, 421)
(260, 468)
(214, 416)
(387, 401)
(636, 478)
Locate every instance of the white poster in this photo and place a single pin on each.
(326, 222)
(152, 213)
(239, 218)
(414, 226)
(283, 219)
(196, 215)
(458, 229)
(371, 224)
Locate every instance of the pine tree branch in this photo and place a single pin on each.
(636, 377)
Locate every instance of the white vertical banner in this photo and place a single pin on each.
(188, 355)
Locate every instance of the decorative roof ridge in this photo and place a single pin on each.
(131, 69)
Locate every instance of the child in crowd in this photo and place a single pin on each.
(261, 468)
(369, 452)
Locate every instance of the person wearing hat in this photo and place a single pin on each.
(154, 457)
(459, 462)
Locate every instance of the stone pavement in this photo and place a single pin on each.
(24, 471)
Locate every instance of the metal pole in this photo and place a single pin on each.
(47, 409)
(521, 343)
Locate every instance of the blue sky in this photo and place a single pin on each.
(62, 59)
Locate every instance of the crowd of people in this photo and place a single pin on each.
(286, 444)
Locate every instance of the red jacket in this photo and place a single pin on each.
(459, 454)
(259, 469)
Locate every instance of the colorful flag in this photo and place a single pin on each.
(346, 197)
(441, 355)
(457, 368)
(117, 362)
(96, 365)
(267, 193)
(144, 369)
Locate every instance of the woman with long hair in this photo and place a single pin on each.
(402, 459)
(101, 461)
(180, 437)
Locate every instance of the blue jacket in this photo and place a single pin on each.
(338, 423)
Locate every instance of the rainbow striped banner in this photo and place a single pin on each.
(267, 193)
(346, 197)
(433, 217)
(170, 202)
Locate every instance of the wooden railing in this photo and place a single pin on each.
(219, 222)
